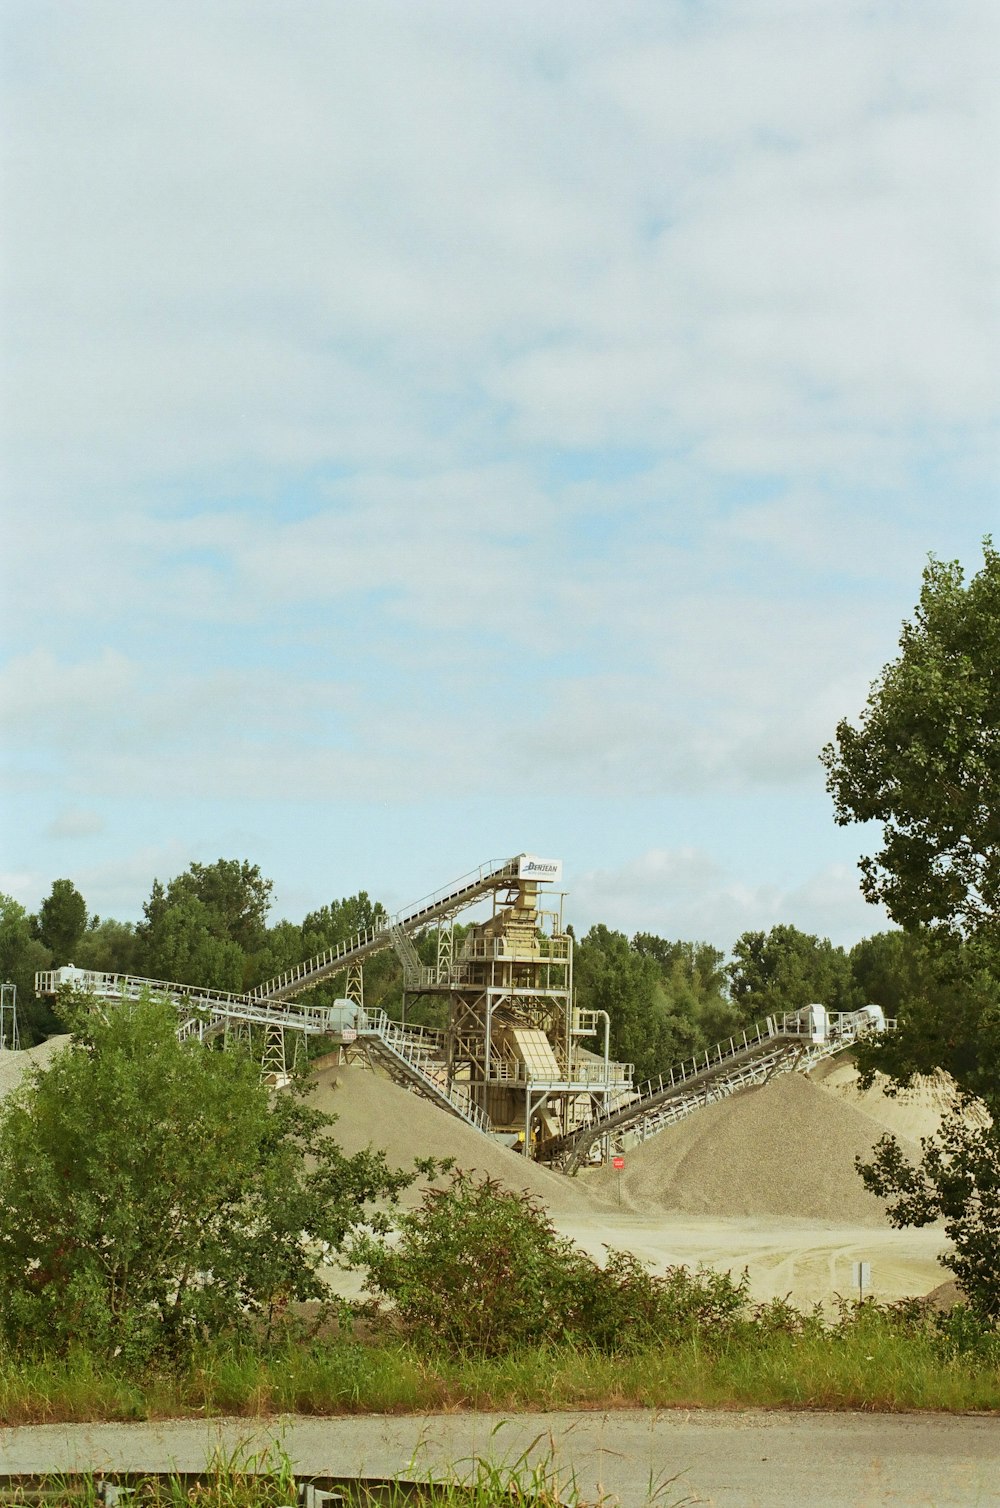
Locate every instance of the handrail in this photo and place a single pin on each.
(222, 1005)
(466, 888)
(395, 1038)
(744, 1065)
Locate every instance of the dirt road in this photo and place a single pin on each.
(731, 1460)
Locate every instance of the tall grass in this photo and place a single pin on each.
(871, 1361)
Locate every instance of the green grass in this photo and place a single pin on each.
(872, 1363)
(266, 1479)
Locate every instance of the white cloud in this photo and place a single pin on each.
(393, 387)
(684, 893)
(75, 822)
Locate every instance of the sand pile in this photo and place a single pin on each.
(785, 1149)
(912, 1113)
(14, 1065)
(373, 1111)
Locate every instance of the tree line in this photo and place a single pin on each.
(665, 999)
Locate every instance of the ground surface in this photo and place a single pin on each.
(764, 1180)
(737, 1460)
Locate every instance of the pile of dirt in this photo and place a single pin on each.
(785, 1149)
(14, 1065)
(373, 1111)
(912, 1113)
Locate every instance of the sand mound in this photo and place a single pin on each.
(373, 1111)
(912, 1113)
(785, 1149)
(14, 1065)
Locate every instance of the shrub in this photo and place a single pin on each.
(477, 1269)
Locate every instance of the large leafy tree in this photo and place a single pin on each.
(207, 925)
(785, 969)
(152, 1193)
(22, 954)
(648, 993)
(924, 761)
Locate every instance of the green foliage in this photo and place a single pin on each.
(61, 922)
(664, 999)
(925, 763)
(947, 1008)
(152, 1193)
(785, 969)
(957, 1180)
(344, 919)
(21, 956)
(479, 1270)
(206, 925)
(925, 760)
(108, 947)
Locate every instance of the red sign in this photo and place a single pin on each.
(618, 1163)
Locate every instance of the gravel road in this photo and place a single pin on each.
(739, 1460)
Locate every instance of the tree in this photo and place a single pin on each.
(152, 1193)
(651, 1027)
(108, 947)
(206, 926)
(62, 919)
(924, 760)
(957, 1180)
(925, 763)
(21, 957)
(785, 969)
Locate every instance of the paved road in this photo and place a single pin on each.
(732, 1460)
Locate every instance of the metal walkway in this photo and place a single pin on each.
(780, 1045)
(437, 906)
(414, 1057)
(203, 1011)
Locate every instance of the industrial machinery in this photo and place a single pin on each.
(510, 1059)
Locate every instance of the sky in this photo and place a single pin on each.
(436, 431)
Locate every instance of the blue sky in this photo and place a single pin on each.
(436, 431)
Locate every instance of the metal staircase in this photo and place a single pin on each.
(437, 906)
(413, 1056)
(779, 1045)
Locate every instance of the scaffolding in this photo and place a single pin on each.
(9, 1036)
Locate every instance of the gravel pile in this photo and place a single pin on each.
(785, 1149)
(14, 1065)
(373, 1111)
(912, 1113)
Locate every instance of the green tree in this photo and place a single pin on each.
(62, 920)
(22, 955)
(785, 969)
(108, 947)
(957, 1181)
(181, 942)
(152, 1193)
(207, 926)
(924, 760)
(649, 1028)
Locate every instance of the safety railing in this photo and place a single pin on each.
(212, 1007)
(438, 903)
(418, 1050)
(538, 950)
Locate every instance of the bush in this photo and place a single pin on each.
(480, 1270)
(153, 1194)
